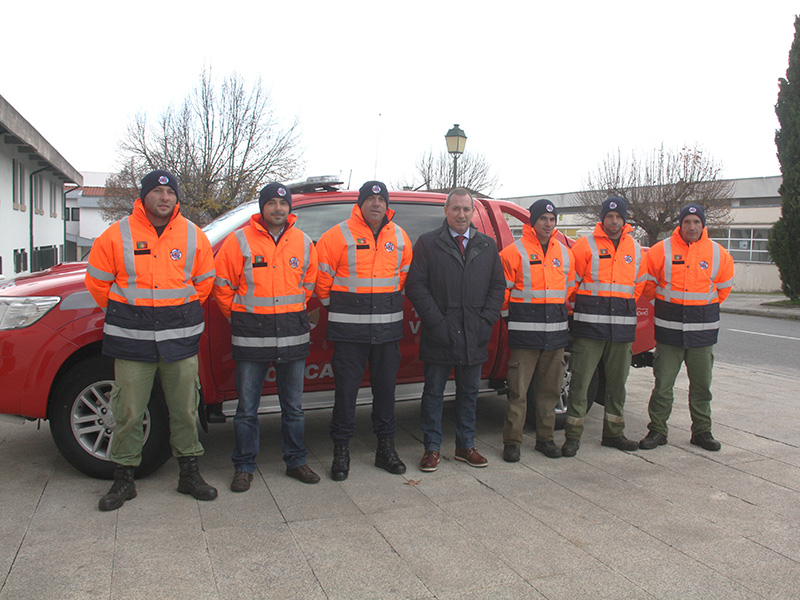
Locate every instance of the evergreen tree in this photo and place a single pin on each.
(784, 239)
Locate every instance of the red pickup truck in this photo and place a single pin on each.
(51, 366)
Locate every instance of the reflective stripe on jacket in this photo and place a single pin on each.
(263, 286)
(538, 286)
(361, 279)
(151, 286)
(688, 282)
(610, 281)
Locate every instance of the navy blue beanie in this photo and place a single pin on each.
(692, 209)
(370, 188)
(540, 207)
(274, 190)
(156, 178)
(617, 204)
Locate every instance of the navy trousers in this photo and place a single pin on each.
(349, 363)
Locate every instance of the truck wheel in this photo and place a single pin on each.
(561, 407)
(82, 425)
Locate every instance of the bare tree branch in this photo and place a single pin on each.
(435, 173)
(223, 143)
(657, 186)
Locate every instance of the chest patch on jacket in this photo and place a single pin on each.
(175, 254)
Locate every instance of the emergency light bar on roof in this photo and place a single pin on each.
(319, 183)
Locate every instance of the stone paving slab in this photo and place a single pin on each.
(674, 522)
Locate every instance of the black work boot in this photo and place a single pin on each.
(122, 489)
(570, 447)
(511, 452)
(191, 482)
(341, 462)
(706, 440)
(386, 456)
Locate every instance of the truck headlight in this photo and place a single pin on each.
(19, 312)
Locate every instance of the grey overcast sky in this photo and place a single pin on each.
(544, 90)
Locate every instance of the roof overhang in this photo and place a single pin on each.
(16, 131)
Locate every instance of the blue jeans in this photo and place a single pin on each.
(468, 380)
(250, 377)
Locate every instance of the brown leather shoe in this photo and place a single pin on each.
(430, 461)
(471, 456)
(303, 473)
(241, 481)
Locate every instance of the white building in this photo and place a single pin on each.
(84, 221)
(32, 178)
(755, 206)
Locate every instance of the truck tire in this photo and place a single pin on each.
(79, 420)
(561, 407)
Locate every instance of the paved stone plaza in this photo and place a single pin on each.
(675, 522)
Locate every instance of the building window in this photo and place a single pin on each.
(53, 200)
(43, 258)
(745, 245)
(36, 192)
(18, 185)
(76, 214)
(20, 260)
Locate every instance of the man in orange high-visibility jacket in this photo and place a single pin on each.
(363, 265)
(151, 272)
(610, 273)
(265, 275)
(689, 276)
(540, 280)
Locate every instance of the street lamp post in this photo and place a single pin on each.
(456, 140)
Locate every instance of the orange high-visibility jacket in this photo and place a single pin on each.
(610, 281)
(361, 279)
(263, 287)
(538, 287)
(151, 286)
(688, 282)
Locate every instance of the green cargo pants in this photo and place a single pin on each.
(130, 395)
(586, 355)
(666, 366)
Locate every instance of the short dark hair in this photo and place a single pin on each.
(459, 191)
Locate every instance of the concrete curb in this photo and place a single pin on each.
(755, 312)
